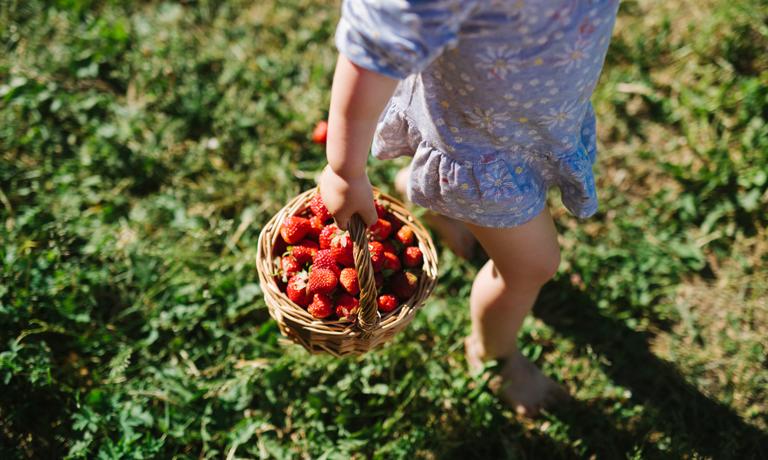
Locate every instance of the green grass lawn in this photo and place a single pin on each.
(144, 146)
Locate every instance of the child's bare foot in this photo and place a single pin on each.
(519, 383)
(452, 232)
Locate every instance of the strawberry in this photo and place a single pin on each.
(346, 306)
(348, 279)
(387, 303)
(381, 229)
(381, 210)
(403, 284)
(320, 133)
(322, 281)
(378, 277)
(341, 247)
(304, 251)
(391, 262)
(290, 266)
(377, 255)
(296, 290)
(327, 235)
(412, 257)
(324, 259)
(316, 226)
(294, 229)
(318, 208)
(321, 306)
(405, 235)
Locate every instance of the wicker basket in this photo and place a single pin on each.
(370, 329)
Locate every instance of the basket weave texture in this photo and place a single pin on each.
(370, 329)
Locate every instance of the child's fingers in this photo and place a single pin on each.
(369, 215)
(341, 220)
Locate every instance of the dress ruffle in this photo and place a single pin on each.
(505, 189)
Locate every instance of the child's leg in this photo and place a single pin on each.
(522, 259)
(453, 233)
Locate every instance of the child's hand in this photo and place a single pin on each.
(345, 196)
(358, 97)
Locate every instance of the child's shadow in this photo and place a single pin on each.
(675, 412)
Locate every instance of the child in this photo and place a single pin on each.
(491, 99)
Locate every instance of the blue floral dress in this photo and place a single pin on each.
(493, 103)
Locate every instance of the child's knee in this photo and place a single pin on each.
(536, 269)
(545, 268)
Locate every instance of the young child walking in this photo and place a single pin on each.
(491, 99)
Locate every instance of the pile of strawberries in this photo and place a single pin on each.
(316, 269)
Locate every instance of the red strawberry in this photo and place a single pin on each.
(321, 306)
(296, 290)
(412, 257)
(322, 281)
(377, 255)
(403, 284)
(346, 306)
(378, 277)
(327, 235)
(304, 251)
(290, 266)
(387, 303)
(294, 229)
(341, 247)
(389, 246)
(391, 262)
(320, 133)
(317, 226)
(381, 210)
(324, 259)
(381, 229)
(405, 235)
(348, 280)
(318, 208)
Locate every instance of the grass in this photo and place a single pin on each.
(143, 145)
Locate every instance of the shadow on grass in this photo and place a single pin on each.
(689, 419)
(589, 431)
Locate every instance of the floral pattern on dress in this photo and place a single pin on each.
(499, 61)
(493, 99)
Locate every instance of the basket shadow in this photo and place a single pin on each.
(687, 416)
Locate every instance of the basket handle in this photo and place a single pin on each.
(368, 316)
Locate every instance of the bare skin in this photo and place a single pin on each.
(357, 98)
(522, 258)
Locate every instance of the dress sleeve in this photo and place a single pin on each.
(397, 38)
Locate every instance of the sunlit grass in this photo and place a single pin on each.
(136, 140)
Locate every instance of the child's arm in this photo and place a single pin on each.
(358, 97)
